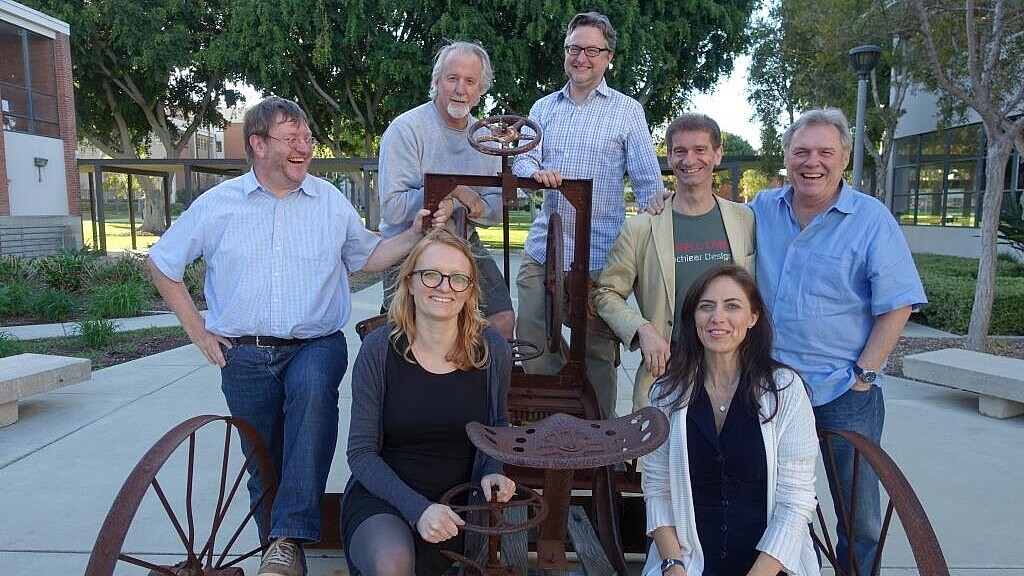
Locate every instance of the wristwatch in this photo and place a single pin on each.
(670, 562)
(865, 376)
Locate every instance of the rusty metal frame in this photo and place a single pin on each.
(535, 396)
(568, 391)
(559, 445)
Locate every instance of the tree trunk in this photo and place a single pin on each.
(153, 209)
(998, 154)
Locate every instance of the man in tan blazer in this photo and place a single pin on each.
(657, 257)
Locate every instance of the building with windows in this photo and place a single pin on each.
(938, 179)
(39, 193)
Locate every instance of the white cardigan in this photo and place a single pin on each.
(791, 447)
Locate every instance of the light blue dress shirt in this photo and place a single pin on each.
(274, 267)
(824, 285)
(604, 138)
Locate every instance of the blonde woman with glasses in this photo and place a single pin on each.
(416, 383)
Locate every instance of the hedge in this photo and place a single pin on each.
(949, 283)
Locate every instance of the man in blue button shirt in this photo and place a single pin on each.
(839, 281)
(278, 245)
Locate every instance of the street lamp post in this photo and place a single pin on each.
(863, 59)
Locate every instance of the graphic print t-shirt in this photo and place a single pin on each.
(700, 244)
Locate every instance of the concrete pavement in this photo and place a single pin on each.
(62, 464)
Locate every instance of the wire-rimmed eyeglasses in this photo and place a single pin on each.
(433, 278)
(294, 141)
(590, 51)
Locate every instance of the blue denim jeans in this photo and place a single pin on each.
(862, 412)
(290, 395)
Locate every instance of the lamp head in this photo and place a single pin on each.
(865, 58)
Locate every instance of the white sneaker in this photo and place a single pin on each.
(283, 558)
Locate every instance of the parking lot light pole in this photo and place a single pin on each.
(863, 59)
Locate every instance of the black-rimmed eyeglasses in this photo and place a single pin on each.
(294, 141)
(590, 51)
(433, 279)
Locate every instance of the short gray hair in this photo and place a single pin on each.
(820, 117)
(597, 20)
(486, 77)
(260, 118)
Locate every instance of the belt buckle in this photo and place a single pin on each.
(258, 345)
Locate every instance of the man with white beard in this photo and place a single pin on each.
(431, 138)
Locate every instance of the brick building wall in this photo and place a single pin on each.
(66, 112)
(5, 197)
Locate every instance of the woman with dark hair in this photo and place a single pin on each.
(731, 492)
(415, 385)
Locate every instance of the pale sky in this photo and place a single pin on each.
(727, 104)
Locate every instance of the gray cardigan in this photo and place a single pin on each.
(365, 433)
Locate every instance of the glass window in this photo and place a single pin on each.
(40, 61)
(906, 151)
(928, 203)
(28, 82)
(933, 147)
(936, 177)
(12, 60)
(903, 209)
(961, 186)
(965, 141)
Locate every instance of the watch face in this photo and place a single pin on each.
(866, 376)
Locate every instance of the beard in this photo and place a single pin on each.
(458, 111)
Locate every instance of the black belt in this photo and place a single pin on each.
(269, 341)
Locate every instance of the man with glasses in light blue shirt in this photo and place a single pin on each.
(278, 245)
(591, 131)
(839, 281)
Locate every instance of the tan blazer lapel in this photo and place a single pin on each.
(664, 244)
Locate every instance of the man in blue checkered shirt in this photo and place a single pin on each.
(590, 132)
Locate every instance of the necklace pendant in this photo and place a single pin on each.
(721, 407)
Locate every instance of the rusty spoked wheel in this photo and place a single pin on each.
(188, 491)
(897, 496)
(554, 283)
(504, 133)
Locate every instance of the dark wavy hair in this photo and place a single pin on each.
(686, 369)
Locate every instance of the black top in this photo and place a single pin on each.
(425, 417)
(729, 478)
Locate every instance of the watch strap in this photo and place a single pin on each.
(668, 563)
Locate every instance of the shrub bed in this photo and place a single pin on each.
(80, 285)
(950, 282)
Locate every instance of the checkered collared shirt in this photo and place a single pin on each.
(604, 139)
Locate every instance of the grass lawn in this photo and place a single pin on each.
(518, 225)
(119, 236)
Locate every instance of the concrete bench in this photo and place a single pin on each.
(27, 374)
(998, 380)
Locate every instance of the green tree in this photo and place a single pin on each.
(145, 68)
(752, 182)
(799, 61)
(356, 65)
(735, 145)
(972, 53)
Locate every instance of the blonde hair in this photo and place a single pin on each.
(470, 348)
